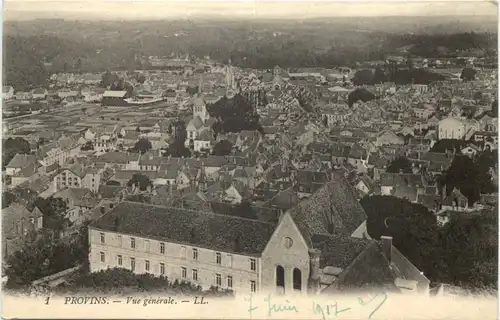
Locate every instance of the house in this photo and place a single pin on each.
(39, 94)
(470, 150)
(19, 162)
(204, 141)
(78, 176)
(79, 200)
(455, 201)
(17, 224)
(389, 138)
(114, 98)
(451, 128)
(8, 93)
(317, 246)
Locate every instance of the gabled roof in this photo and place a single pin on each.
(334, 207)
(195, 228)
(21, 161)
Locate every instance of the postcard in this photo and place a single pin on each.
(250, 160)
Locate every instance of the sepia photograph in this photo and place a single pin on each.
(250, 159)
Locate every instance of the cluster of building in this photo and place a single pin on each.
(279, 212)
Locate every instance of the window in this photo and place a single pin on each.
(102, 238)
(120, 240)
(162, 248)
(162, 268)
(195, 275)
(132, 264)
(103, 257)
(147, 265)
(183, 252)
(253, 286)
(146, 244)
(195, 254)
(297, 279)
(120, 260)
(218, 280)
(230, 260)
(183, 273)
(218, 258)
(253, 265)
(229, 281)
(132, 243)
(280, 276)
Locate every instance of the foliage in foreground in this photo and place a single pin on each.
(118, 280)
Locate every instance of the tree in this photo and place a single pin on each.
(468, 74)
(244, 210)
(141, 78)
(192, 90)
(401, 164)
(107, 79)
(448, 145)
(177, 148)
(234, 115)
(54, 212)
(471, 178)
(143, 145)
(363, 77)
(87, 146)
(478, 96)
(494, 108)
(379, 76)
(359, 94)
(222, 148)
(140, 180)
(13, 146)
(413, 227)
(7, 199)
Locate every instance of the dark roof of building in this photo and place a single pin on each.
(338, 252)
(332, 210)
(197, 228)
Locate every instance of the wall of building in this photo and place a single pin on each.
(297, 256)
(175, 257)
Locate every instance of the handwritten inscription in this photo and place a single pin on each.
(325, 311)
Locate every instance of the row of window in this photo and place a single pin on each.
(194, 272)
(162, 250)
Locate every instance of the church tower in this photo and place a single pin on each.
(230, 82)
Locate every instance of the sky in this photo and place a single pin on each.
(167, 9)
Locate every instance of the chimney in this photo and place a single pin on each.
(314, 256)
(117, 223)
(387, 246)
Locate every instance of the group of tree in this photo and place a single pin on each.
(54, 212)
(222, 148)
(471, 177)
(233, 115)
(120, 279)
(468, 74)
(449, 145)
(177, 146)
(45, 254)
(87, 146)
(13, 146)
(142, 145)
(400, 165)
(359, 94)
(462, 252)
(113, 82)
(141, 181)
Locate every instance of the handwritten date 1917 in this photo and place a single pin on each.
(332, 310)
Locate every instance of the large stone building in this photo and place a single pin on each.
(451, 128)
(320, 245)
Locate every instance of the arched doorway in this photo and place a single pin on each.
(280, 278)
(297, 279)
